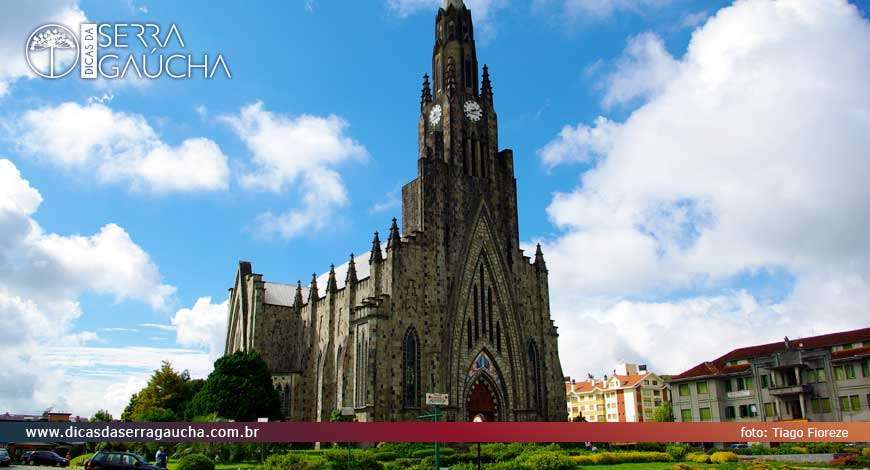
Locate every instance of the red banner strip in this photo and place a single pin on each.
(443, 432)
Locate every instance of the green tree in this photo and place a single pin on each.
(165, 398)
(664, 413)
(102, 416)
(239, 388)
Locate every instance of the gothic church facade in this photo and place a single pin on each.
(450, 304)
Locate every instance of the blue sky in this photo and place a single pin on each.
(631, 137)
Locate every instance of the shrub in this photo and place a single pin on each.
(800, 450)
(677, 451)
(612, 458)
(502, 452)
(401, 464)
(423, 453)
(288, 461)
(507, 465)
(697, 457)
(80, 460)
(386, 456)
(865, 452)
(547, 460)
(723, 457)
(681, 466)
(758, 464)
(195, 462)
(842, 460)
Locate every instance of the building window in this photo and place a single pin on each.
(411, 370)
(745, 383)
(865, 369)
(850, 371)
(702, 388)
(770, 409)
(748, 411)
(816, 376)
(765, 381)
(468, 327)
(684, 390)
(655, 382)
(686, 416)
(729, 412)
(820, 405)
(728, 386)
(850, 403)
(705, 414)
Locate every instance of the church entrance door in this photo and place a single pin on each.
(481, 403)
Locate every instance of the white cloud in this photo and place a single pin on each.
(42, 275)
(748, 156)
(18, 21)
(203, 325)
(644, 69)
(300, 153)
(581, 143)
(120, 147)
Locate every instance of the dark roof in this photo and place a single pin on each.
(718, 366)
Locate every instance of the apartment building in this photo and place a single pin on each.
(629, 394)
(819, 378)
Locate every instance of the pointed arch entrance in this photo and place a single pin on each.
(483, 392)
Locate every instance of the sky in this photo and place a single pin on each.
(695, 171)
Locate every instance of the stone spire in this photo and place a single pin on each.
(486, 86)
(376, 250)
(393, 241)
(456, 3)
(351, 278)
(331, 285)
(297, 302)
(426, 97)
(539, 259)
(312, 291)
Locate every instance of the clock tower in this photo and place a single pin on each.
(460, 164)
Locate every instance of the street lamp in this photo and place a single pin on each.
(478, 418)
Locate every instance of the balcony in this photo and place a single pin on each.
(739, 394)
(783, 390)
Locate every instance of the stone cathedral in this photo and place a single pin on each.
(449, 304)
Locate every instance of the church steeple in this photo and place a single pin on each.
(454, 42)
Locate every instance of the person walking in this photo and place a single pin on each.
(161, 458)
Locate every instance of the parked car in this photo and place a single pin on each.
(113, 460)
(44, 457)
(5, 459)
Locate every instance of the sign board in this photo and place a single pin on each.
(437, 399)
(347, 411)
(262, 420)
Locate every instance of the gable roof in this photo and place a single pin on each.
(720, 367)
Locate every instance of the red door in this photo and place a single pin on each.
(481, 402)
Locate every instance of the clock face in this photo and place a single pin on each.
(435, 115)
(473, 111)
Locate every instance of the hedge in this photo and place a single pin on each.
(611, 458)
(697, 457)
(724, 457)
(195, 462)
(80, 460)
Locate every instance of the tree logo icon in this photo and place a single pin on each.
(52, 51)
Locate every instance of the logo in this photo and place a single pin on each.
(118, 51)
(52, 51)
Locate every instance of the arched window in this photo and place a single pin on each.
(285, 401)
(360, 371)
(489, 312)
(468, 329)
(535, 391)
(498, 337)
(476, 315)
(411, 369)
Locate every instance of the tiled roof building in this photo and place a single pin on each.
(819, 378)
